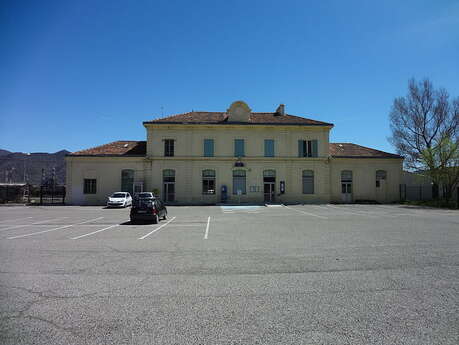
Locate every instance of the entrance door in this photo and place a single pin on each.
(346, 186)
(269, 185)
(169, 185)
(269, 191)
(169, 191)
(381, 189)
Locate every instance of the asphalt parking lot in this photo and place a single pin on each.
(302, 274)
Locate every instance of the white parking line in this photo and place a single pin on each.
(54, 229)
(13, 220)
(97, 231)
(157, 229)
(23, 226)
(307, 213)
(206, 235)
(351, 212)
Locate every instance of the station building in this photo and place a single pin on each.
(235, 156)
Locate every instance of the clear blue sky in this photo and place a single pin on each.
(76, 74)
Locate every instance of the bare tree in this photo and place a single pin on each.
(425, 129)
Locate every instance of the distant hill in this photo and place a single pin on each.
(12, 165)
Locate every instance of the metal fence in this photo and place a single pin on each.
(417, 192)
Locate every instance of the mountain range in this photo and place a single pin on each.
(17, 167)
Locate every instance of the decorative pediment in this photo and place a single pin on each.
(239, 111)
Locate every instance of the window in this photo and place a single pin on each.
(208, 147)
(169, 148)
(307, 148)
(380, 175)
(208, 182)
(239, 181)
(90, 186)
(308, 182)
(127, 180)
(269, 148)
(346, 182)
(239, 148)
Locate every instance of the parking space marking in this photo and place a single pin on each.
(13, 220)
(351, 212)
(206, 235)
(37, 223)
(97, 231)
(307, 213)
(54, 229)
(157, 229)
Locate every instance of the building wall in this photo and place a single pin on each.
(188, 174)
(107, 172)
(189, 139)
(364, 178)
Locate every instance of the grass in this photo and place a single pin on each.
(433, 203)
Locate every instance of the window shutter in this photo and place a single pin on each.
(208, 147)
(239, 148)
(300, 148)
(269, 148)
(314, 148)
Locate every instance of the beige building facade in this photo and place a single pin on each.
(237, 156)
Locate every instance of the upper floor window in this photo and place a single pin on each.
(307, 148)
(269, 148)
(239, 148)
(169, 147)
(90, 186)
(208, 147)
(380, 176)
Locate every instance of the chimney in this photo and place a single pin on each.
(280, 109)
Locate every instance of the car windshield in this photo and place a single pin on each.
(145, 195)
(144, 202)
(118, 195)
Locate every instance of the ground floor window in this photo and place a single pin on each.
(208, 182)
(169, 185)
(127, 180)
(346, 182)
(308, 182)
(239, 182)
(380, 175)
(90, 186)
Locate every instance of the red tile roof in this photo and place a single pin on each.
(205, 117)
(138, 148)
(349, 150)
(116, 148)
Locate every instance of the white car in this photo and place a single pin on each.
(119, 199)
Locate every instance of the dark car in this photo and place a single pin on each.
(148, 209)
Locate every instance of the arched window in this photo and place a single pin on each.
(346, 176)
(127, 180)
(169, 174)
(380, 175)
(269, 173)
(308, 182)
(239, 181)
(208, 181)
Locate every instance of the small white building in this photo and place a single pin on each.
(235, 156)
